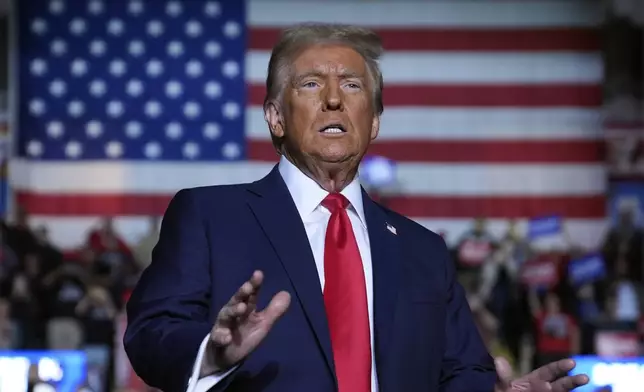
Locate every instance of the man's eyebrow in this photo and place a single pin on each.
(308, 74)
(347, 74)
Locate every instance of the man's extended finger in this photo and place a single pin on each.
(229, 313)
(569, 383)
(250, 287)
(256, 279)
(553, 371)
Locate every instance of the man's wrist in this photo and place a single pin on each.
(208, 366)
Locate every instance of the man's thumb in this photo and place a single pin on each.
(503, 370)
(278, 306)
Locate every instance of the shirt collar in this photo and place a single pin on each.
(307, 194)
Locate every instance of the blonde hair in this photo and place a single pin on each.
(296, 39)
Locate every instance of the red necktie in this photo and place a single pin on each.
(345, 300)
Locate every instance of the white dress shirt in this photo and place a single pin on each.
(308, 195)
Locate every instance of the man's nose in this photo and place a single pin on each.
(333, 99)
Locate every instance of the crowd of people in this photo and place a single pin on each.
(56, 300)
(534, 319)
(50, 299)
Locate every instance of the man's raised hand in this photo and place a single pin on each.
(240, 326)
(548, 378)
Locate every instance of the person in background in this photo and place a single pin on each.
(520, 247)
(8, 332)
(474, 247)
(9, 265)
(498, 291)
(50, 256)
(105, 239)
(588, 307)
(20, 236)
(625, 241)
(27, 311)
(557, 334)
(65, 287)
(489, 328)
(143, 249)
(627, 293)
(98, 313)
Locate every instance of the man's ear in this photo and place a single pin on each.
(273, 118)
(375, 127)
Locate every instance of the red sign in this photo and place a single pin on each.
(617, 344)
(474, 252)
(543, 272)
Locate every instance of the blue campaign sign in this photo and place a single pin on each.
(544, 226)
(587, 269)
(615, 375)
(65, 370)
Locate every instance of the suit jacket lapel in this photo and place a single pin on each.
(384, 258)
(275, 211)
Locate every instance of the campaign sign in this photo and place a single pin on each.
(544, 226)
(540, 273)
(617, 344)
(587, 269)
(65, 370)
(473, 252)
(620, 375)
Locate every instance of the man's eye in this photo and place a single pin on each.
(310, 84)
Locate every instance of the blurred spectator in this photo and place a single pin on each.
(112, 257)
(488, 326)
(50, 257)
(474, 247)
(626, 293)
(7, 328)
(66, 287)
(98, 314)
(9, 263)
(625, 241)
(520, 248)
(143, 249)
(557, 334)
(588, 308)
(26, 310)
(19, 235)
(497, 276)
(105, 239)
(498, 290)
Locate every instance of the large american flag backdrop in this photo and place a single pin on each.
(491, 108)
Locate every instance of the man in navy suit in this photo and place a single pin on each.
(354, 297)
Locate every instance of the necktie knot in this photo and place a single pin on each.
(335, 202)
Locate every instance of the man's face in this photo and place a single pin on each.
(328, 114)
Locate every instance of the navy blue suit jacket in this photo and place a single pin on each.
(213, 238)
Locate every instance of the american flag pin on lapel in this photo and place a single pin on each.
(392, 229)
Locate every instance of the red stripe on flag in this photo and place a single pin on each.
(412, 39)
(414, 206)
(470, 95)
(466, 151)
